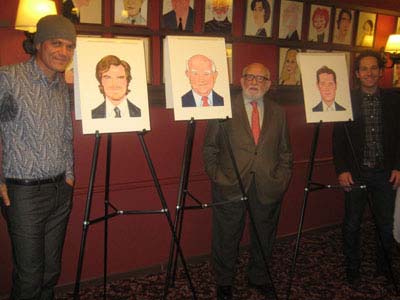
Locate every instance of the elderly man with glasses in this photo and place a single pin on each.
(259, 138)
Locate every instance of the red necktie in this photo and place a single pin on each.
(204, 99)
(255, 122)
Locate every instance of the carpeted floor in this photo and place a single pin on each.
(319, 275)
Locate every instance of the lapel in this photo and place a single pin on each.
(241, 115)
(266, 124)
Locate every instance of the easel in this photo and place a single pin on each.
(183, 193)
(314, 186)
(117, 212)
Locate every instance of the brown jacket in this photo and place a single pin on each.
(270, 161)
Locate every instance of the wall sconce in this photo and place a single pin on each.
(393, 48)
(28, 14)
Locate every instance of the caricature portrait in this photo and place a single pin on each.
(289, 71)
(319, 24)
(398, 26)
(327, 86)
(114, 76)
(290, 20)
(343, 27)
(218, 16)
(197, 83)
(179, 17)
(82, 11)
(111, 85)
(365, 29)
(326, 90)
(259, 18)
(202, 74)
(133, 12)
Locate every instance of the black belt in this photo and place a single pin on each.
(16, 181)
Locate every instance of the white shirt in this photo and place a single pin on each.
(199, 102)
(329, 108)
(123, 107)
(249, 109)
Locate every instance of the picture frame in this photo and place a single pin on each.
(289, 71)
(290, 20)
(83, 11)
(259, 18)
(366, 29)
(319, 26)
(218, 16)
(169, 15)
(343, 26)
(398, 25)
(396, 76)
(130, 12)
(229, 58)
(147, 53)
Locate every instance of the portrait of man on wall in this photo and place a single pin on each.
(132, 12)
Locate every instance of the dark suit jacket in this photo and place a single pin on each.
(270, 161)
(215, 26)
(320, 107)
(294, 36)
(169, 20)
(188, 99)
(67, 11)
(100, 111)
(342, 153)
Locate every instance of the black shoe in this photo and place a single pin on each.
(353, 277)
(224, 292)
(262, 289)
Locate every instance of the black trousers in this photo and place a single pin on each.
(228, 226)
(37, 220)
(382, 198)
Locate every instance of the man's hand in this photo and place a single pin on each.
(395, 178)
(4, 194)
(346, 180)
(69, 181)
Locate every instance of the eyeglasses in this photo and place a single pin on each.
(258, 78)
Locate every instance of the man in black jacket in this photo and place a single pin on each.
(371, 157)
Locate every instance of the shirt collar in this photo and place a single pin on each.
(38, 75)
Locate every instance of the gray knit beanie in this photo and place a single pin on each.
(54, 27)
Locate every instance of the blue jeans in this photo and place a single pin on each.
(382, 200)
(37, 220)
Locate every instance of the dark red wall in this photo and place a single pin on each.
(143, 240)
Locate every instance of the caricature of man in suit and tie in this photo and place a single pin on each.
(114, 76)
(202, 75)
(326, 84)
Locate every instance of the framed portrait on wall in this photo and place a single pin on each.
(218, 16)
(396, 76)
(229, 58)
(83, 11)
(259, 18)
(290, 20)
(177, 15)
(289, 71)
(343, 26)
(320, 17)
(366, 29)
(398, 25)
(131, 12)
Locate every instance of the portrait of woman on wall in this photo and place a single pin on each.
(343, 27)
(259, 18)
(365, 29)
(289, 70)
(319, 24)
(290, 20)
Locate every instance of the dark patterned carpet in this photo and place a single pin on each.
(319, 275)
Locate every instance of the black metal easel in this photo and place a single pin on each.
(312, 186)
(183, 193)
(117, 212)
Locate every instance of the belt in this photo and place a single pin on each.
(16, 181)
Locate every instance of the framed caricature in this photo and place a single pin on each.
(111, 86)
(83, 11)
(177, 15)
(343, 27)
(396, 76)
(319, 23)
(325, 87)
(218, 16)
(366, 29)
(290, 20)
(131, 12)
(229, 58)
(398, 25)
(289, 71)
(259, 18)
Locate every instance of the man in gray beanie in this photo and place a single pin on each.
(37, 177)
